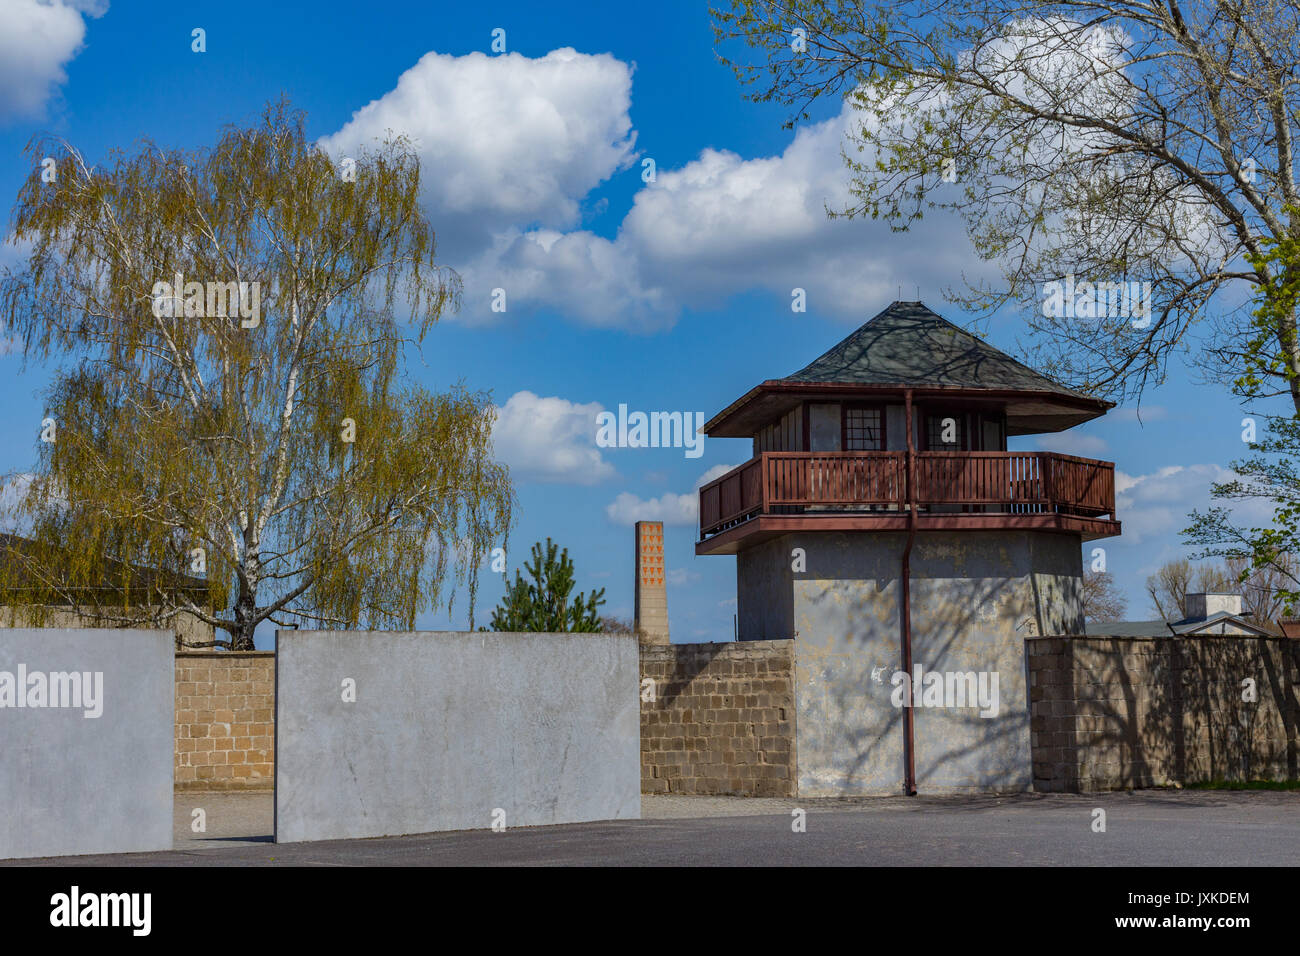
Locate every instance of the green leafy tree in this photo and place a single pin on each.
(541, 604)
(1259, 554)
(1269, 359)
(1110, 140)
(253, 426)
(1260, 557)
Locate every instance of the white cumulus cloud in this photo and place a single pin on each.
(550, 439)
(669, 508)
(1139, 415)
(681, 577)
(510, 148)
(1155, 505)
(1073, 443)
(505, 142)
(581, 274)
(37, 40)
(722, 225)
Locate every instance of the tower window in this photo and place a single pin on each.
(863, 428)
(945, 425)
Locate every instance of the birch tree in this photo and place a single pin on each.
(228, 330)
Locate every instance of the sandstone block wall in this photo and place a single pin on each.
(722, 720)
(225, 720)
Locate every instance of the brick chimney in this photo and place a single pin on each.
(651, 593)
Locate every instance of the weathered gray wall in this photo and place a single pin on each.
(1118, 712)
(765, 593)
(71, 784)
(975, 597)
(448, 726)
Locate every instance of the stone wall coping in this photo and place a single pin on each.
(225, 654)
(776, 644)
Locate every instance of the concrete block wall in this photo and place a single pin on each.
(722, 720)
(1119, 712)
(184, 625)
(225, 720)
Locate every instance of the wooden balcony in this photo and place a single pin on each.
(784, 491)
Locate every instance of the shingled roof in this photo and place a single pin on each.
(908, 346)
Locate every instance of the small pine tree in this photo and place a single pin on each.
(542, 604)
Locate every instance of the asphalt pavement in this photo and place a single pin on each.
(1142, 828)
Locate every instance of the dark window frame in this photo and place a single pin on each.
(883, 419)
(962, 415)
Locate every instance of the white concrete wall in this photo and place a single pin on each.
(72, 783)
(448, 727)
(976, 595)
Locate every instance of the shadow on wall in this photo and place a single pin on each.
(1161, 711)
(686, 668)
(960, 625)
(976, 626)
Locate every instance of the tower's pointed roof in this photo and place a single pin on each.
(908, 346)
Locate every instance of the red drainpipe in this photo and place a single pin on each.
(905, 623)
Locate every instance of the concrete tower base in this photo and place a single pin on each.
(976, 595)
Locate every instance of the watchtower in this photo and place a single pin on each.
(884, 525)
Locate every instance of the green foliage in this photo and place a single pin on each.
(1269, 475)
(542, 604)
(1270, 355)
(1270, 360)
(178, 432)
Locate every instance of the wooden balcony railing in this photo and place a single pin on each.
(996, 482)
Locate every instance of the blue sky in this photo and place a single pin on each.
(670, 295)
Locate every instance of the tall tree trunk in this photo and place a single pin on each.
(241, 639)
